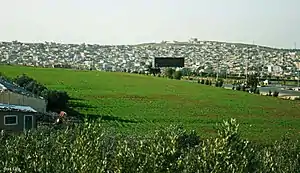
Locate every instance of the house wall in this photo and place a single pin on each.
(20, 125)
(39, 105)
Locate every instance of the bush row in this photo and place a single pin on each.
(244, 87)
(219, 82)
(204, 82)
(92, 148)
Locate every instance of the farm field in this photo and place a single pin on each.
(138, 104)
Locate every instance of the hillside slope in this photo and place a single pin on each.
(136, 103)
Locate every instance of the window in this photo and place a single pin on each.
(10, 120)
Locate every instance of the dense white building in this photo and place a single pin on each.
(205, 54)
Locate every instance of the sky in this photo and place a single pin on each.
(274, 23)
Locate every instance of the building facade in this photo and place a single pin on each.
(15, 118)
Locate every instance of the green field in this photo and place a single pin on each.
(139, 104)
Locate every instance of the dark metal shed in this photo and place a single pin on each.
(15, 118)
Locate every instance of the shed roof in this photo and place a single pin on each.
(2, 87)
(19, 108)
(7, 85)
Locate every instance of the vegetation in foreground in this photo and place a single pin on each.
(137, 104)
(93, 148)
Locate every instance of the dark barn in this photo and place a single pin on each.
(168, 62)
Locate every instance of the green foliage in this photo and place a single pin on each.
(252, 81)
(56, 100)
(257, 91)
(186, 72)
(137, 104)
(270, 93)
(219, 83)
(90, 147)
(202, 81)
(206, 82)
(177, 75)
(243, 88)
(3, 76)
(152, 70)
(275, 94)
(170, 73)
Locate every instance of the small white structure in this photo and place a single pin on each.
(266, 82)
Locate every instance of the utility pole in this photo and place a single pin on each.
(247, 65)
(298, 76)
(226, 74)
(218, 70)
(246, 69)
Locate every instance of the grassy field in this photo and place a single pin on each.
(138, 104)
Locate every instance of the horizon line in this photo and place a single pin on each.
(154, 42)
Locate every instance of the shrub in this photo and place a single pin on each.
(177, 75)
(56, 99)
(202, 81)
(219, 83)
(243, 88)
(252, 81)
(90, 147)
(23, 80)
(170, 73)
(238, 87)
(256, 91)
(270, 93)
(207, 82)
(275, 94)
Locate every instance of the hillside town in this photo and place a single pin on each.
(200, 56)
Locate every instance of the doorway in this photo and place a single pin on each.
(28, 122)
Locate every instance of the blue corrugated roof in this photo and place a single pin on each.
(15, 88)
(8, 107)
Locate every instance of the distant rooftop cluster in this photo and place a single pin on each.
(201, 56)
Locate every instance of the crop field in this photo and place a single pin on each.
(139, 104)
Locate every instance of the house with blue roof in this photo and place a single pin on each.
(11, 93)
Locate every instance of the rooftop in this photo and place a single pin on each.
(5, 84)
(7, 107)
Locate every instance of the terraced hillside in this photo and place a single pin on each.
(136, 104)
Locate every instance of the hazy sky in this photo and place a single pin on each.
(274, 23)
